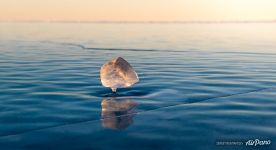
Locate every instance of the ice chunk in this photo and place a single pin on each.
(118, 73)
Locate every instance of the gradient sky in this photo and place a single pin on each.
(137, 10)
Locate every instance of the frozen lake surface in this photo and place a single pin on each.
(199, 84)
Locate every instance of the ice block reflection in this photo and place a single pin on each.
(117, 113)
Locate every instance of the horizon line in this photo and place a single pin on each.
(140, 22)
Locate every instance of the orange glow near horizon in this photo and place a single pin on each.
(137, 10)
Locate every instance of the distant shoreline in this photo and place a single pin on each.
(145, 22)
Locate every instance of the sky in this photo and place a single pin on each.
(137, 10)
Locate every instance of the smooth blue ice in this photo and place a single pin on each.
(199, 83)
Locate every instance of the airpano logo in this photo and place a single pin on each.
(258, 142)
(247, 143)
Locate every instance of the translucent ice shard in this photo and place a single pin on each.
(118, 73)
